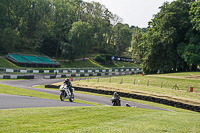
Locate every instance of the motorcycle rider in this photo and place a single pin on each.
(116, 98)
(69, 85)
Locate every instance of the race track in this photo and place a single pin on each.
(13, 102)
(10, 102)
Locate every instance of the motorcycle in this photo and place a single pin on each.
(116, 102)
(66, 94)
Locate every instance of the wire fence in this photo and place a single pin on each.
(159, 83)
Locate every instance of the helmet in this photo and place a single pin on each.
(115, 93)
(66, 80)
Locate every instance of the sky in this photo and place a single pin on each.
(133, 12)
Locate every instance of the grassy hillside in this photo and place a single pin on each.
(80, 64)
(125, 64)
(98, 120)
(91, 63)
(6, 64)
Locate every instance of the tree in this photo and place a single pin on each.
(189, 48)
(136, 48)
(2, 22)
(166, 31)
(68, 51)
(2, 15)
(80, 37)
(66, 12)
(195, 15)
(9, 40)
(48, 26)
(98, 16)
(122, 38)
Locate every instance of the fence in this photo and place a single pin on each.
(175, 84)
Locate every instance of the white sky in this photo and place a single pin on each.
(133, 12)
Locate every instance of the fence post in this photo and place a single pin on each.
(98, 79)
(110, 80)
(161, 84)
(121, 81)
(148, 83)
(134, 81)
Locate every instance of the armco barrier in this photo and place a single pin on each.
(80, 70)
(17, 76)
(87, 75)
(136, 96)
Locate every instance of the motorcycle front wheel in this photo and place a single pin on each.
(71, 99)
(62, 97)
(114, 103)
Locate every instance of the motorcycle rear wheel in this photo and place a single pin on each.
(71, 99)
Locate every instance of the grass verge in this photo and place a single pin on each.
(97, 119)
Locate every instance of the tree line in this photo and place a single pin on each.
(67, 28)
(172, 40)
(74, 28)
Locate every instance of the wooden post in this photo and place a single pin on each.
(121, 81)
(134, 81)
(110, 80)
(161, 84)
(148, 83)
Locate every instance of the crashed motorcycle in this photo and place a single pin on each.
(65, 93)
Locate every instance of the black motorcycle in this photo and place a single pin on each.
(116, 102)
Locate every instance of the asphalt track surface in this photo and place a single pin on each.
(12, 101)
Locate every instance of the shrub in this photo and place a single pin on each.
(100, 59)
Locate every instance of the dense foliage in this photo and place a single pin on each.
(74, 28)
(172, 41)
(67, 28)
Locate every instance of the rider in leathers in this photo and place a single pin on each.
(69, 85)
(116, 97)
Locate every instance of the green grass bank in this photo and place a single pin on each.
(98, 119)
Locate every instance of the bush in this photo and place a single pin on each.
(100, 59)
